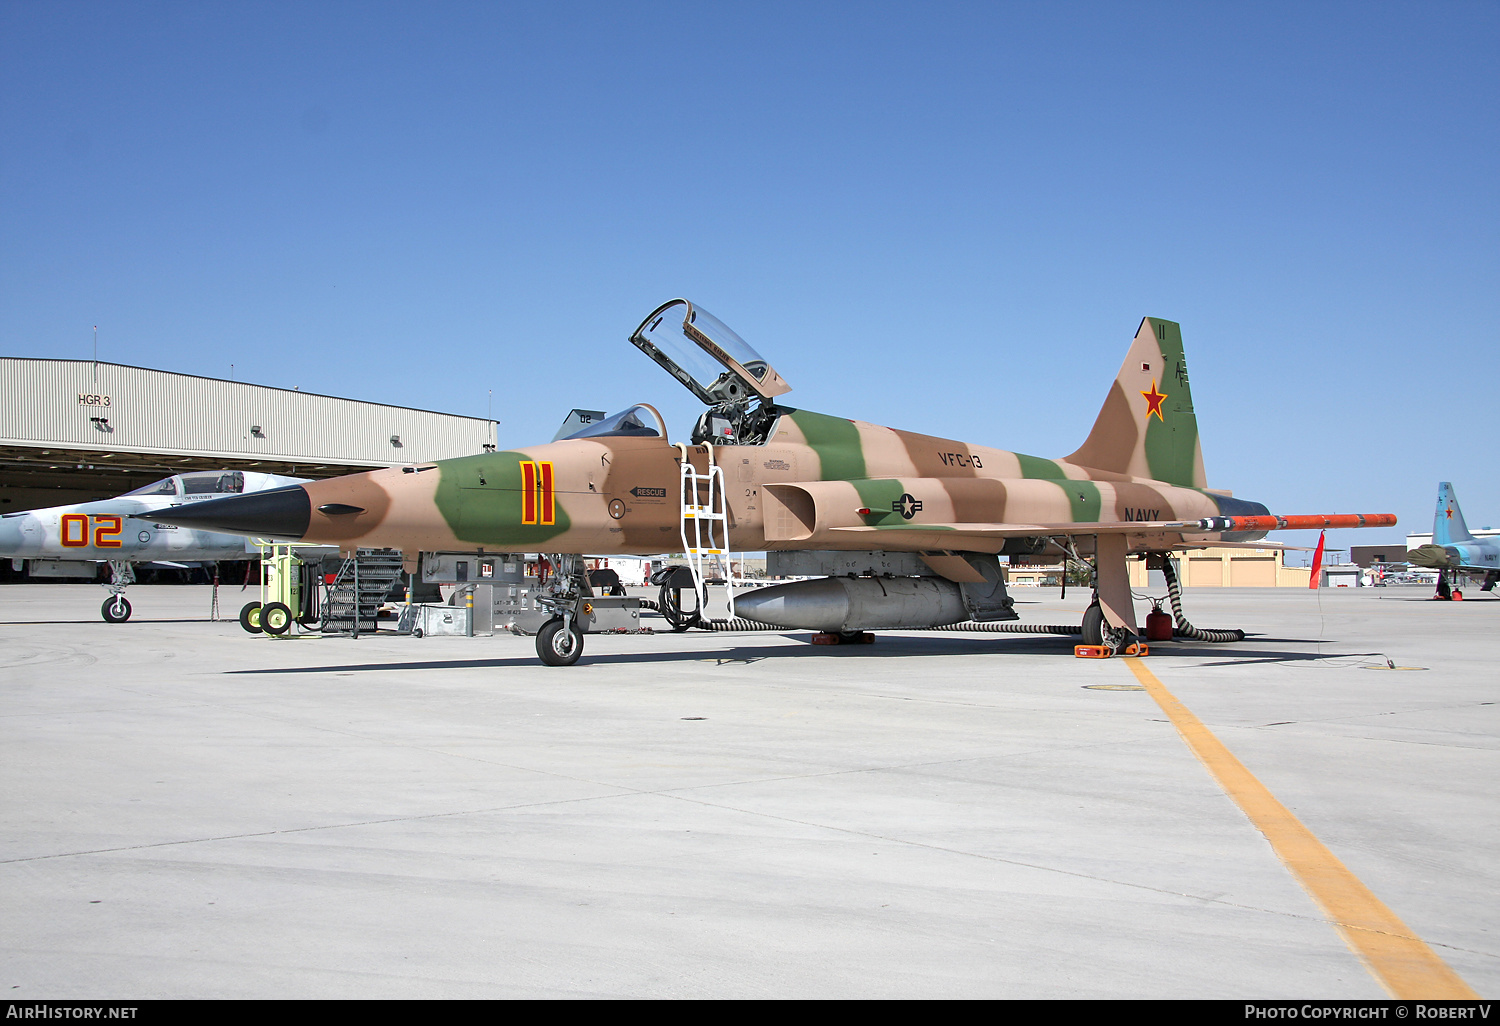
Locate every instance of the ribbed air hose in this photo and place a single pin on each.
(1183, 628)
(1006, 628)
(738, 624)
(681, 622)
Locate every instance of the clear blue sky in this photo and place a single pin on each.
(946, 217)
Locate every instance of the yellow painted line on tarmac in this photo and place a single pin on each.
(1403, 963)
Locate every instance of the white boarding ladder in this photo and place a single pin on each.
(708, 544)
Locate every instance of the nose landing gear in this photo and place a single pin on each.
(121, 576)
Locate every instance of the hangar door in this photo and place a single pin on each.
(1205, 572)
(1253, 572)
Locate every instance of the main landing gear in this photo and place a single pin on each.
(1098, 629)
(1109, 620)
(1445, 590)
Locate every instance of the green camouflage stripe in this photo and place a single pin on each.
(1036, 467)
(880, 496)
(480, 498)
(1085, 500)
(836, 441)
(1172, 439)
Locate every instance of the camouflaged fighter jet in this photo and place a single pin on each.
(1453, 549)
(906, 528)
(124, 531)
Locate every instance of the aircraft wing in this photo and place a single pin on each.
(958, 535)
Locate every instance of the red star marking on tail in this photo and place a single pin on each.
(1154, 399)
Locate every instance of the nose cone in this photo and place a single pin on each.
(1433, 557)
(274, 513)
(10, 536)
(808, 605)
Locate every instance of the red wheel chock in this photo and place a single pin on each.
(1135, 648)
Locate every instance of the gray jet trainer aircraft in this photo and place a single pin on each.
(1453, 549)
(122, 532)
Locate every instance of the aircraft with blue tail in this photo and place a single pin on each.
(1454, 550)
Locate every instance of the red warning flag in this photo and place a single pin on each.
(1317, 566)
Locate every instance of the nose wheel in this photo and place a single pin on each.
(115, 609)
(559, 644)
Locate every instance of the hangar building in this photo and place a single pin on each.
(75, 430)
(1212, 567)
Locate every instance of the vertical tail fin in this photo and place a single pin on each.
(1448, 522)
(1147, 427)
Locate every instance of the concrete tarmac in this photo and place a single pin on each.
(190, 811)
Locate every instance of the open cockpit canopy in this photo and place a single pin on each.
(700, 351)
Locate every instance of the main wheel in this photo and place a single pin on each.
(115, 609)
(275, 618)
(250, 617)
(1093, 625)
(559, 647)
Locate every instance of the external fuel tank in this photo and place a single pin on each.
(844, 604)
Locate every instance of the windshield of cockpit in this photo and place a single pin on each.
(638, 421)
(166, 486)
(230, 482)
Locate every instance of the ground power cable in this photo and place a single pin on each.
(1347, 661)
